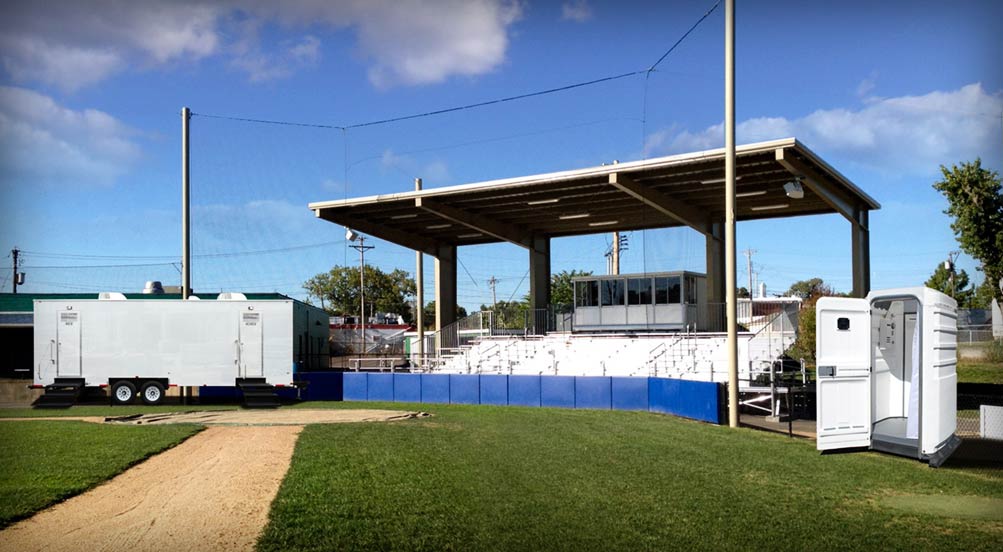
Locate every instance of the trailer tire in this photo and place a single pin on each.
(123, 392)
(152, 393)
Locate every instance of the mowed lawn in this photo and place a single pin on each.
(980, 371)
(488, 478)
(43, 462)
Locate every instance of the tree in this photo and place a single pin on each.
(806, 289)
(984, 294)
(562, 289)
(809, 291)
(338, 291)
(509, 314)
(975, 201)
(429, 313)
(941, 281)
(804, 345)
(743, 293)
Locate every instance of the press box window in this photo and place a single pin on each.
(842, 323)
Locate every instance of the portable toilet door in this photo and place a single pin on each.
(68, 357)
(251, 345)
(886, 376)
(843, 373)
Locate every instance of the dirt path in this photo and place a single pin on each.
(211, 492)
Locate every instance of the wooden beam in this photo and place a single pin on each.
(819, 185)
(674, 208)
(411, 241)
(485, 225)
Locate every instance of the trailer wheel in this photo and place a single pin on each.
(153, 393)
(123, 392)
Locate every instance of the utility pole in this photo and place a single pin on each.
(949, 266)
(614, 252)
(615, 270)
(494, 300)
(748, 255)
(18, 276)
(361, 247)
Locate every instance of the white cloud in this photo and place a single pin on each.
(578, 11)
(911, 134)
(261, 66)
(426, 42)
(74, 44)
(867, 85)
(432, 172)
(87, 146)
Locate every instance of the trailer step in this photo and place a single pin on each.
(257, 393)
(61, 393)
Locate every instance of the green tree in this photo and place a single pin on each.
(975, 201)
(429, 314)
(743, 293)
(940, 280)
(338, 291)
(806, 289)
(984, 294)
(562, 289)
(509, 314)
(809, 291)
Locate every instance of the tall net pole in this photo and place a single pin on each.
(729, 209)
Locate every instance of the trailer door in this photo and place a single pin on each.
(68, 344)
(843, 359)
(251, 345)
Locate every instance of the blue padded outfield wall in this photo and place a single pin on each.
(690, 399)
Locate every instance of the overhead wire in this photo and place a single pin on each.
(647, 71)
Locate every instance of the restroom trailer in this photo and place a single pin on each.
(140, 347)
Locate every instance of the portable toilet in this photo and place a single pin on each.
(887, 373)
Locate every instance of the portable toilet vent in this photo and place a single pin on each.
(887, 373)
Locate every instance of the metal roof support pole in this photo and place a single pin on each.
(861, 244)
(445, 291)
(539, 273)
(186, 220)
(731, 277)
(419, 271)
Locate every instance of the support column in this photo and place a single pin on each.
(539, 273)
(419, 315)
(715, 264)
(445, 286)
(861, 245)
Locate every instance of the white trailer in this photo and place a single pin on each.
(887, 373)
(142, 346)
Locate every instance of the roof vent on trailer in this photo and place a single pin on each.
(231, 296)
(153, 287)
(111, 296)
(193, 298)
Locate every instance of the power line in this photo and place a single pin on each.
(201, 256)
(454, 109)
(686, 34)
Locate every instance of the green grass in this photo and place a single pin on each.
(980, 371)
(108, 411)
(486, 478)
(44, 462)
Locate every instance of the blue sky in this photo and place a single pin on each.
(90, 95)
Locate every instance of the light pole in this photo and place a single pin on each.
(361, 247)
